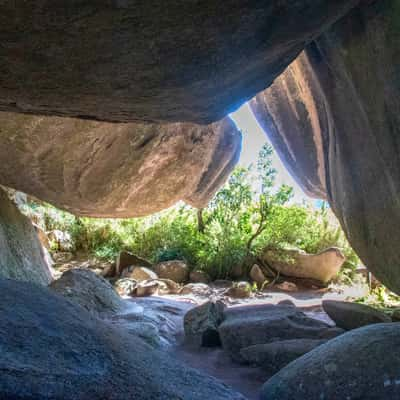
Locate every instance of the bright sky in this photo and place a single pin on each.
(253, 139)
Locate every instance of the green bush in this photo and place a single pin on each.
(247, 214)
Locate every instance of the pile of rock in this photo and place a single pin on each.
(268, 336)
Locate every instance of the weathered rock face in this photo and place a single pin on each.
(322, 266)
(21, 254)
(129, 60)
(54, 349)
(115, 170)
(332, 373)
(335, 116)
(201, 324)
(90, 291)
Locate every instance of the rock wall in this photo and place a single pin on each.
(21, 254)
(115, 170)
(125, 60)
(335, 117)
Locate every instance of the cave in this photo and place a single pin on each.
(121, 108)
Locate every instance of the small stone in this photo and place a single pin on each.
(241, 290)
(199, 277)
(146, 288)
(287, 286)
(198, 289)
(257, 275)
(125, 286)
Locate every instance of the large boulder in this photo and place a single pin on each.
(139, 273)
(128, 61)
(246, 326)
(126, 259)
(22, 256)
(201, 324)
(272, 357)
(52, 348)
(333, 117)
(102, 169)
(349, 315)
(296, 263)
(360, 364)
(89, 290)
(176, 270)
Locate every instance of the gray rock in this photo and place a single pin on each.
(360, 364)
(22, 256)
(201, 324)
(52, 348)
(274, 356)
(349, 315)
(89, 290)
(245, 326)
(136, 61)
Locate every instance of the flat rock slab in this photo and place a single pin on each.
(259, 324)
(349, 315)
(360, 364)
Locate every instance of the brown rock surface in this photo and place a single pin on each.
(175, 270)
(115, 170)
(334, 115)
(127, 60)
(322, 266)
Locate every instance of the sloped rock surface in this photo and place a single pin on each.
(21, 254)
(334, 116)
(115, 170)
(89, 290)
(54, 349)
(127, 60)
(359, 364)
